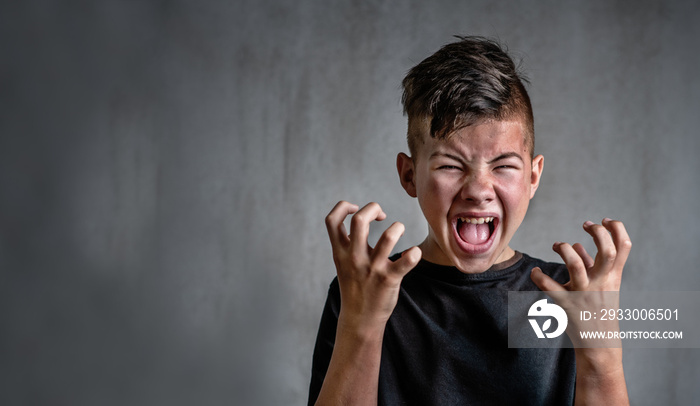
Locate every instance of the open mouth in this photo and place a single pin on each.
(475, 230)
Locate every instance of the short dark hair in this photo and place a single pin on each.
(464, 83)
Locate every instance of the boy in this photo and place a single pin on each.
(428, 326)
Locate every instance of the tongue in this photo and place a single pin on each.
(474, 233)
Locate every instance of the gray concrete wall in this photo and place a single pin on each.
(165, 168)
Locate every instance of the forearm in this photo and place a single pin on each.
(353, 372)
(600, 377)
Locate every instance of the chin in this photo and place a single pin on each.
(473, 266)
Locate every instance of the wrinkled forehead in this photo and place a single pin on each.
(485, 136)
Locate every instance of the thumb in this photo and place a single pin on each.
(409, 259)
(544, 282)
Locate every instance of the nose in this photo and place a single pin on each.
(478, 188)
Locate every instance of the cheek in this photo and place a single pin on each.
(435, 195)
(515, 196)
(442, 189)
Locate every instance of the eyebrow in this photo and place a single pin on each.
(496, 159)
(506, 156)
(445, 154)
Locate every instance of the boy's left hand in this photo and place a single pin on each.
(603, 273)
(599, 372)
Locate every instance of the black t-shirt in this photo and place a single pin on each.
(446, 343)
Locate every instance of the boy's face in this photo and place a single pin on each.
(481, 174)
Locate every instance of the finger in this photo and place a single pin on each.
(334, 221)
(581, 251)
(605, 258)
(359, 227)
(544, 282)
(622, 241)
(409, 259)
(574, 263)
(387, 242)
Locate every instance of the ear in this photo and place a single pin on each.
(536, 173)
(404, 164)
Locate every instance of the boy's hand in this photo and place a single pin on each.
(369, 281)
(586, 274)
(602, 274)
(599, 372)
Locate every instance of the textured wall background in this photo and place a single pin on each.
(165, 168)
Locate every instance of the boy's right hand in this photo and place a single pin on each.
(369, 281)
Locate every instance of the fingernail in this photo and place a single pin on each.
(607, 219)
(588, 223)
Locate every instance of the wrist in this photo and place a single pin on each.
(599, 361)
(360, 329)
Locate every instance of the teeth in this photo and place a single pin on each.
(476, 220)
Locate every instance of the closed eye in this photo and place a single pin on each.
(507, 165)
(449, 167)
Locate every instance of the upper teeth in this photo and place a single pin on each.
(476, 220)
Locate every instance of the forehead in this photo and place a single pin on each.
(486, 138)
